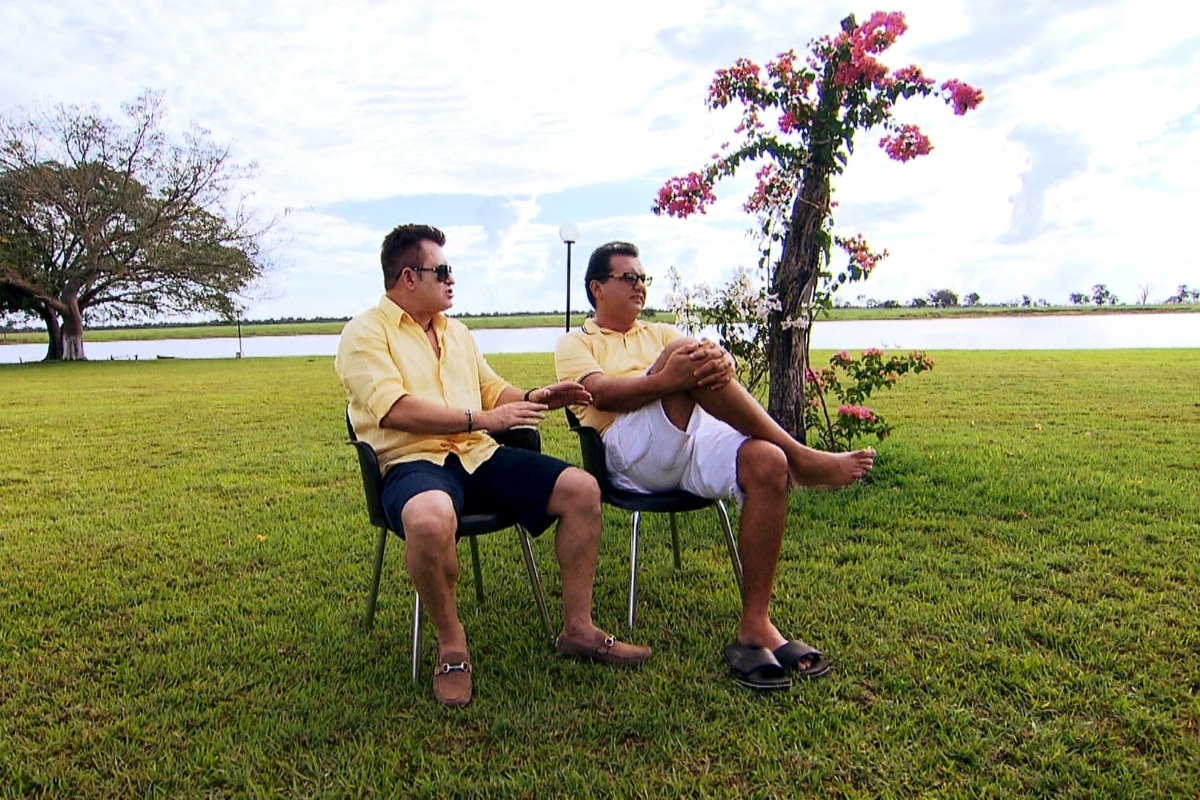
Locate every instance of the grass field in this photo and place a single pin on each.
(1010, 602)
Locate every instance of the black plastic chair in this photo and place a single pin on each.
(676, 501)
(469, 526)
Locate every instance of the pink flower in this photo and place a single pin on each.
(771, 192)
(913, 74)
(874, 36)
(907, 144)
(740, 81)
(783, 64)
(881, 30)
(962, 96)
(683, 196)
(872, 351)
(858, 412)
(860, 67)
(860, 253)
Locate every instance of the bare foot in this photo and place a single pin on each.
(758, 634)
(818, 468)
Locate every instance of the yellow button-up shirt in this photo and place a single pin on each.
(594, 349)
(384, 355)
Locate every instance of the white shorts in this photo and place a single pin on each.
(647, 453)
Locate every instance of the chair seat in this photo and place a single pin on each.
(659, 502)
(479, 524)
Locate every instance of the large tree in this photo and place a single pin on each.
(104, 220)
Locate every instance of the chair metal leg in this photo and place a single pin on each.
(731, 542)
(675, 540)
(633, 566)
(416, 638)
(380, 546)
(535, 581)
(475, 566)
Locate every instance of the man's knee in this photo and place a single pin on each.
(575, 491)
(682, 342)
(762, 464)
(678, 344)
(429, 516)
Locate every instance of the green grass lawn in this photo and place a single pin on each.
(1010, 601)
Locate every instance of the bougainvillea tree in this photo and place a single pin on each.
(798, 124)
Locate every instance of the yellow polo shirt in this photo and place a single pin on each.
(384, 355)
(594, 349)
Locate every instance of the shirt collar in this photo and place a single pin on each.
(590, 327)
(396, 315)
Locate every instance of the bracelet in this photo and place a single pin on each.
(470, 422)
(527, 395)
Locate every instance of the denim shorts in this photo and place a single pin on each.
(515, 483)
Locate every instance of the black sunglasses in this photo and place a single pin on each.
(632, 278)
(442, 271)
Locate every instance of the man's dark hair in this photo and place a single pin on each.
(599, 265)
(401, 246)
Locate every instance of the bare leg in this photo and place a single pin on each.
(736, 407)
(576, 503)
(762, 476)
(431, 557)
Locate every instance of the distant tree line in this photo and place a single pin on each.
(1099, 295)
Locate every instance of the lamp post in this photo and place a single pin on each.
(569, 233)
(237, 311)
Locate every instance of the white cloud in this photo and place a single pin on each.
(362, 101)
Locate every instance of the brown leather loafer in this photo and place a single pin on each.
(605, 649)
(452, 679)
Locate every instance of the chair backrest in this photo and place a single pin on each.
(525, 437)
(591, 447)
(372, 480)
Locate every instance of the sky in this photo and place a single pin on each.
(499, 122)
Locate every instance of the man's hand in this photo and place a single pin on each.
(680, 369)
(714, 367)
(509, 415)
(564, 393)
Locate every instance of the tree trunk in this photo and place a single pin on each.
(72, 332)
(794, 283)
(54, 330)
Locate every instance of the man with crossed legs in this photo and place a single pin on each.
(672, 416)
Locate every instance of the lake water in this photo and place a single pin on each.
(1066, 332)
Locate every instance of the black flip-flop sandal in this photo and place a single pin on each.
(756, 668)
(792, 654)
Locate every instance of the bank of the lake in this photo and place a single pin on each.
(1042, 332)
(332, 327)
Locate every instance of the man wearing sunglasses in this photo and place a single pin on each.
(421, 394)
(672, 416)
